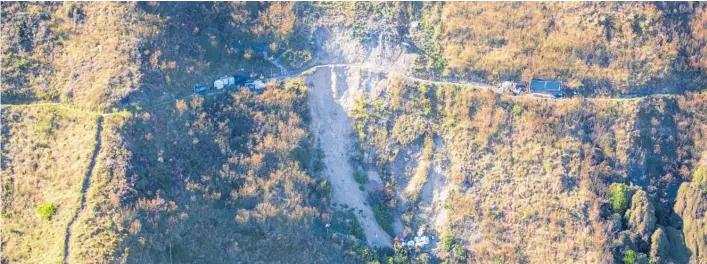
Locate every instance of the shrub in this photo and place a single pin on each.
(447, 242)
(324, 188)
(297, 59)
(619, 196)
(629, 257)
(517, 110)
(181, 106)
(46, 211)
(383, 218)
(296, 85)
(361, 177)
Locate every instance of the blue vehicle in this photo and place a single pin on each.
(200, 88)
(546, 88)
(239, 80)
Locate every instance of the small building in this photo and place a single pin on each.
(200, 88)
(546, 88)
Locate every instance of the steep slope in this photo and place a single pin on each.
(330, 98)
(527, 180)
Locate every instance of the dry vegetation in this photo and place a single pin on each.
(82, 54)
(592, 47)
(223, 179)
(234, 178)
(37, 171)
(216, 180)
(103, 55)
(530, 178)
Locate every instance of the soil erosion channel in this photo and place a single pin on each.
(331, 125)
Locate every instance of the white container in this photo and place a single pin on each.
(231, 80)
(218, 84)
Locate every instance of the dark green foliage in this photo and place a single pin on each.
(297, 59)
(324, 188)
(346, 222)
(46, 211)
(383, 217)
(361, 177)
(401, 255)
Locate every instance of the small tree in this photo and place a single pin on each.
(619, 196)
(629, 257)
(447, 242)
(46, 211)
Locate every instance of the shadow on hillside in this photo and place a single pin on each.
(196, 42)
(207, 190)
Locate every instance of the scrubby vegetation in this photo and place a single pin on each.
(103, 55)
(591, 47)
(223, 173)
(619, 197)
(521, 169)
(41, 181)
(236, 176)
(690, 206)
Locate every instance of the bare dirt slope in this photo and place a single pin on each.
(332, 127)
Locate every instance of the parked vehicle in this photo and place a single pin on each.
(546, 88)
(200, 88)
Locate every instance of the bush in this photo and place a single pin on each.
(297, 59)
(46, 211)
(383, 218)
(619, 196)
(324, 188)
(629, 257)
(447, 242)
(517, 110)
(361, 177)
(296, 85)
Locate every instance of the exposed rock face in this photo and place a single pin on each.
(691, 205)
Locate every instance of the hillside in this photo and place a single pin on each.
(527, 180)
(357, 132)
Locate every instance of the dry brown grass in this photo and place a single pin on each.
(46, 152)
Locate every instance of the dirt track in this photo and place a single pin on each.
(84, 189)
(332, 126)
